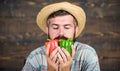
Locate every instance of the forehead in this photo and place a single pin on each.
(62, 19)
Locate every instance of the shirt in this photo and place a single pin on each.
(85, 59)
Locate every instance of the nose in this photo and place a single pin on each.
(61, 31)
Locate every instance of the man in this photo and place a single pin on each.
(62, 21)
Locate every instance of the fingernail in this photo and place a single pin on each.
(62, 48)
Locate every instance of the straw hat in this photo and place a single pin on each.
(76, 11)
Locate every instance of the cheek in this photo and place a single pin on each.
(69, 33)
(53, 34)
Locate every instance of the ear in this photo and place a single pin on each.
(76, 29)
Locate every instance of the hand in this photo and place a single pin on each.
(65, 59)
(52, 59)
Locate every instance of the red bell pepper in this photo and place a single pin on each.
(53, 45)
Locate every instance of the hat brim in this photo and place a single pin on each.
(76, 11)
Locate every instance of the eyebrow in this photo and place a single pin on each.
(63, 25)
(55, 24)
(67, 25)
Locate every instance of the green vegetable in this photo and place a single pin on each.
(67, 45)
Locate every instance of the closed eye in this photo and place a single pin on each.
(55, 26)
(68, 26)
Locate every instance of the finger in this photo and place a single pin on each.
(53, 53)
(60, 58)
(55, 58)
(67, 54)
(57, 61)
(56, 44)
(63, 55)
(47, 49)
(73, 51)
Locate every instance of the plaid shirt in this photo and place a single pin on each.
(85, 59)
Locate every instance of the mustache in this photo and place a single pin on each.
(61, 37)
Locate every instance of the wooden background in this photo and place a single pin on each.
(19, 33)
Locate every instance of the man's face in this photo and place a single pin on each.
(62, 27)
